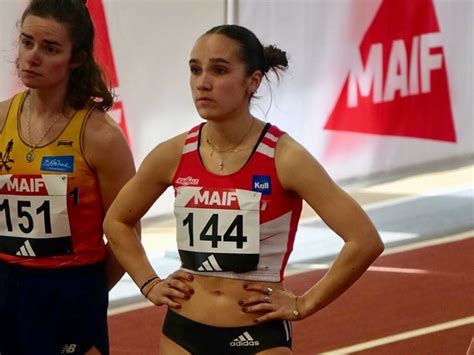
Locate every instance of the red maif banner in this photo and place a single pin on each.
(105, 58)
(398, 85)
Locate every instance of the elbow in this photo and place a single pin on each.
(377, 246)
(108, 227)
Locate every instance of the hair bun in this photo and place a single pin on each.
(275, 57)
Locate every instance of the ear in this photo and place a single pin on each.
(78, 60)
(254, 81)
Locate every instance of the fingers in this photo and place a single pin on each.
(181, 275)
(274, 304)
(183, 290)
(173, 288)
(259, 288)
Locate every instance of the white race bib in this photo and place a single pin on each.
(34, 208)
(223, 224)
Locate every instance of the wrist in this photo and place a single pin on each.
(147, 283)
(296, 309)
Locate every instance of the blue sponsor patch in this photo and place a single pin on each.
(262, 183)
(63, 164)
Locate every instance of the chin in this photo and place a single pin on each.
(30, 84)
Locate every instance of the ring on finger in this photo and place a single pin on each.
(269, 291)
(267, 299)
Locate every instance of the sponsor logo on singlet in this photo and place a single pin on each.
(5, 160)
(65, 143)
(64, 164)
(186, 181)
(262, 183)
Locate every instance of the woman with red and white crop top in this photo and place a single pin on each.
(239, 185)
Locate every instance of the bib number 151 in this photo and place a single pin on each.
(26, 215)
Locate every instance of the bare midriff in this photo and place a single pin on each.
(216, 301)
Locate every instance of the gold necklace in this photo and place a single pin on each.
(30, 156)
(227, 152)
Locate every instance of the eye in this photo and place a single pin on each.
(220, 70)
(26, 42)
(194, 70)
(50, 50)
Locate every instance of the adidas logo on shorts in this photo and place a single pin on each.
(244, 340)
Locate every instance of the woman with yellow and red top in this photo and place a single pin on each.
(63, 160)
(239, 184)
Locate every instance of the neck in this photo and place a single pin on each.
(45, 104)
(227, 134)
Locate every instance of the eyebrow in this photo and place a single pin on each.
(47, 41)
(212, 60)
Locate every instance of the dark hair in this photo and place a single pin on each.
(252, 52)
(86, 83)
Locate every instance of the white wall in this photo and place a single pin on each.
(151, 41)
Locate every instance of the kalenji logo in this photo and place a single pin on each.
(398, 85)
(187, 181)
(104, 56)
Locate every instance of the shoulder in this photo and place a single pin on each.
(102, 130)
(103, 141)
(291, 156)
(4, 106)
(163, 161)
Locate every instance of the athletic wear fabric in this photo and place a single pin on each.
(240, 225)
(202, 339)
(50, 209)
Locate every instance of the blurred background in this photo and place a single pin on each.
(379, 91)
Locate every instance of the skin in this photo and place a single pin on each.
(221, 90)
(45, 64)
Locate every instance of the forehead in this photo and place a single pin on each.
(45, 29)
(215, 46)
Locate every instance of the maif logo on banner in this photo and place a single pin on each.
(398, 85)
(104, 56)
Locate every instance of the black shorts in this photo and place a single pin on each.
(202, 339)
(52, 312)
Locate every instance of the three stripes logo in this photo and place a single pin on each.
(244, 339)
(26, 250)
(210, 264)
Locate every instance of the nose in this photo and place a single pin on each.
(33, 57)
(203, 82)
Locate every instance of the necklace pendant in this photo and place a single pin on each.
(221, 165)
(30, 156)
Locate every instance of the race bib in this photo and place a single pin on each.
(218, 229)
(33, 215)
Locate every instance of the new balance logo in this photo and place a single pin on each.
(210, 264)
(26, 250)
(69, 349)
(244, 340)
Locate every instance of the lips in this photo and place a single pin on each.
(204, 99)
(31, 72)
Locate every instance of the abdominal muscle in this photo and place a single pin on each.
(215, 301)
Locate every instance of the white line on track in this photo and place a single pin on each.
(309, 267)
(403, 336)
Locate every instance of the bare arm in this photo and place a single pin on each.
(341, 213)
(152, 179)
(362, 243)
(107, 151)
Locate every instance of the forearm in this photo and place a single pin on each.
(127, 250)
(352, 261)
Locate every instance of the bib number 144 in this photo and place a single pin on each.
(210, 232)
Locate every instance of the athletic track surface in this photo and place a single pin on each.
(417, 300)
